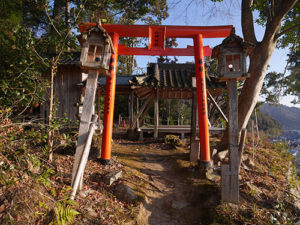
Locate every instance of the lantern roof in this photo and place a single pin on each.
(232, 39)
(97, 29)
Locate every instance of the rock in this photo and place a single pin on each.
(249, 163)
(87, 192)
(124, 193)
(112, 177)
(91, 212)
(297, 223)
(221, 155)
(212, 175)
(214, 152)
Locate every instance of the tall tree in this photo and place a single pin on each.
(275, 16)
(281, 21)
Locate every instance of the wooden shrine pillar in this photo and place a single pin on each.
(156, 116)
(194, 116)
(230, 172)
(130, 107)
(109, 103)
(202, 102)
(137, 112)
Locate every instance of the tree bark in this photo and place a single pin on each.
(259, 60)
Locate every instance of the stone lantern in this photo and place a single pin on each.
(96, 50)
(231, 56)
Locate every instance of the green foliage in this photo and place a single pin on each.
(21, 82)
(173, 141)
(44, 177)
(64, 213)
(278, 84)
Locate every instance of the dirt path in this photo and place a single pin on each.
(177, 196)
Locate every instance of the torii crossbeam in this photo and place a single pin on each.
(156, 47)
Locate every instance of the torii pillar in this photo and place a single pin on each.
(109, 103)
(205, 161)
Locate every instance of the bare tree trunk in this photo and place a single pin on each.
(51, 112)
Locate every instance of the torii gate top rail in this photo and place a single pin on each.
(157, 36)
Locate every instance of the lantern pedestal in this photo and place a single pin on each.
(230, 172)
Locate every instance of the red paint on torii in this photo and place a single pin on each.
(170, 32)
(157, 36)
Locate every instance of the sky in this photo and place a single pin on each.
(206, 13)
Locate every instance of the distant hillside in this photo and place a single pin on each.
(288, 117)
(267, 124)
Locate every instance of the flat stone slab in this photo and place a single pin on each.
(112, 177)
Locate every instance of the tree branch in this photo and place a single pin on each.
(247, 22)
(51, 22)
(287, 30)
(275, 22)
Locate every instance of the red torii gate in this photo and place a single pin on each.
(156, 47)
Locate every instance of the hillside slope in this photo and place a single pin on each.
(288, 117)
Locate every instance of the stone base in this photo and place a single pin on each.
(105, 161)
(195, 151)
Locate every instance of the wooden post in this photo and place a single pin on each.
(156, 116)
(146, 105)
(120, 120)
(137, 112)
(195, 144)
(194, 116)
(88, 104)
(169, 111)
(84, 157)
(142, 117)
(130, 102)
(229, 173)
(217, 106)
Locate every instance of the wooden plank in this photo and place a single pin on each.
(156, 117)
(76, 93)
(177, 81)
(88, 104)
(233, 124)
(74, 90)
(130, 107)
(146, 110)
(137, 112)
(233, 139)
(83, 159)
(66, 94)
(171, 78)
(140, 112)
(217, 106)
(194, 116)
(225, 183)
